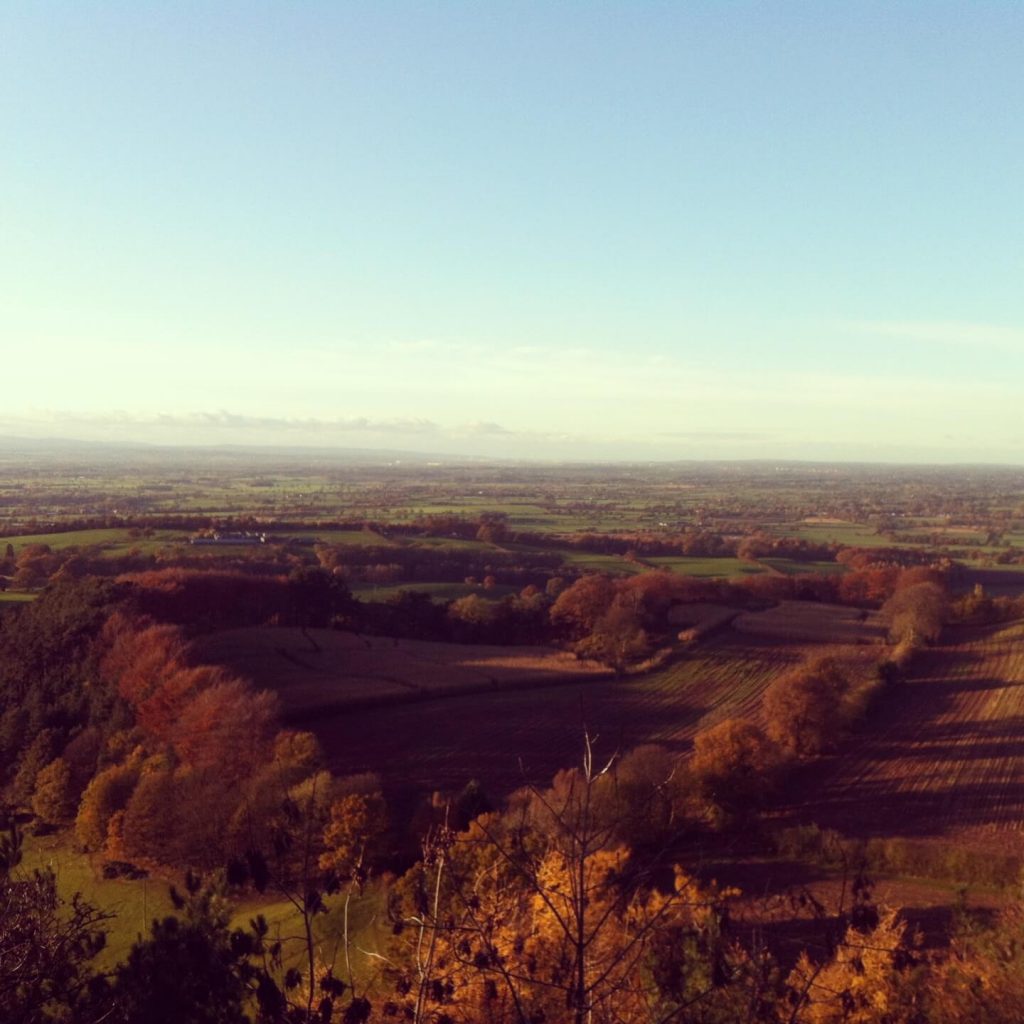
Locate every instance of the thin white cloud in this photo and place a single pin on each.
(221, 424)
(221, 419)
(713, 435)
(954, 333)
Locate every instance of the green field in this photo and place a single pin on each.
(614, 565)
(437, 591)
(135, 903)
(791, 568)
(358, 538)
(705, 567)
(453, 543)
(115, 541)
(858, 535)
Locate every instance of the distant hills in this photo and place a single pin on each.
(56, 450)
(63, 449)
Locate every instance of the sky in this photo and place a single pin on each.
(558, 230)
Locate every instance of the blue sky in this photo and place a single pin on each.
(553, 230)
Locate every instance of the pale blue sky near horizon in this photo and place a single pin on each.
(584, 230)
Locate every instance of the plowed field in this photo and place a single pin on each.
(944, 755)
(322, 670)
(504, 738)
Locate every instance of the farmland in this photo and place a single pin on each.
(493, 702)
(855, 506)
(431, 626)
(814, 622)
(398, 524)
(940, 758)
(318, 670)
(706, 567)
(497, 734)
(944, 756)
(110, 542)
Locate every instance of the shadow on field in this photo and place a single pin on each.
(877, 808)
(926, 763)
(503, 739)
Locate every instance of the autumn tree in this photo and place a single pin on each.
(472, 616)
(493, 528)
(138, 654)
(352, 834)
(108, 793)
(733, 769)
(150, 829)
(226, 728)
(651, 594)
(315, 596)
(295, 758)
(982, 981)
(804, 707)
(866, 980)
(616, 638)
(286, 858)
(53, 800)
(918, 611)
(539, 914)
(34, 565)
(642, 799)
(579, 606)
(751, 548)
(352, 841)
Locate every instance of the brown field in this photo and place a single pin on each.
(942, 757)
(431, 715)
(702, 618)
(323, 669)
(813, 622)
(509, 736)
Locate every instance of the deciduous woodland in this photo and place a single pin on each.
(468, 744)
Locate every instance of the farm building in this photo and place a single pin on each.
(247, 537)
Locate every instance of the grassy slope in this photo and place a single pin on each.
(134, 904)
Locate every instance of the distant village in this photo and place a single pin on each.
(249, 538)
(245, 537)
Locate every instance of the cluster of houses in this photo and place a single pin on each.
(220, 537)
